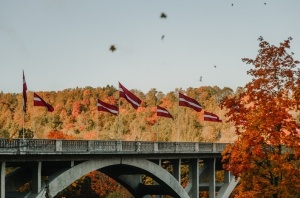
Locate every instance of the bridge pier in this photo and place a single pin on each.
(193, 178)
(176, 169)
(2, 180)
(156, 196)
(36, 170)
(229, 184)
(132, 181)
(212, 177)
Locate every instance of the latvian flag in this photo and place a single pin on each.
(211, 117)
(163, 112)
(38, 101)
(102, 106)
(189, 102)
(130, 97)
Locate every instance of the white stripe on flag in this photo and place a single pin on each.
(191, 103)
(210, 116)
(111, 110)
(162, 111)
(37, 99)
(133, 101)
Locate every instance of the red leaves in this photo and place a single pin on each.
(263, 120)
(92, 135)
(76, 109)
(104, 186)
(59, 135)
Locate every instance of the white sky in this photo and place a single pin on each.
(65, 43)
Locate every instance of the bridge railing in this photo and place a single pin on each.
(99, 146)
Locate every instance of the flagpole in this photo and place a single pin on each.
(23, 108)
(130, 97)
(48, 99)
(23, 123)
(157, 130)
(97, 115)
(117, 133)
(203, 128)
(178, 129)
(35, 121)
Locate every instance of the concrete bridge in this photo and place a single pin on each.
(65, 161)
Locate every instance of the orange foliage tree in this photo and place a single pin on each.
(104, 186)
(59, 135)
(266, 154)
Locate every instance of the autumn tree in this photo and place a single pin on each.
(59, 135)
(266, 154)
(104, 186)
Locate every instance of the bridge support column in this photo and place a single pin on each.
(229, 184)
(212, 177)
(132, 180)
(226, 176)
(36, 177)
(176, 169)
(194, 178)
(2, 180)
(157, 196)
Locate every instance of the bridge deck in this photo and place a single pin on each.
(43, 148)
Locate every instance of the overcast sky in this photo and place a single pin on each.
(64, 44)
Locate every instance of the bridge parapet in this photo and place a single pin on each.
(100, 146)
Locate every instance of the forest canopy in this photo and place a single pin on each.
(75, 115)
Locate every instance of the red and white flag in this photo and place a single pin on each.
(130, 97)
(24, 93)
(211, 117)
(163, 112)
(38, 101)
(189, 102)
(102, 106)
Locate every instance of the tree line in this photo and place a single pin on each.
(76, 115)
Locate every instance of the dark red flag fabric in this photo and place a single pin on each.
(130, 97)
(211, 117)
(38, 101)
(24, 93)
(163, 112)
(189, 102)
(102, 106)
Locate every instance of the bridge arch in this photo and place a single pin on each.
(60, 182)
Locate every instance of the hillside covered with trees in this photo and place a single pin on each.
(75, 115)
